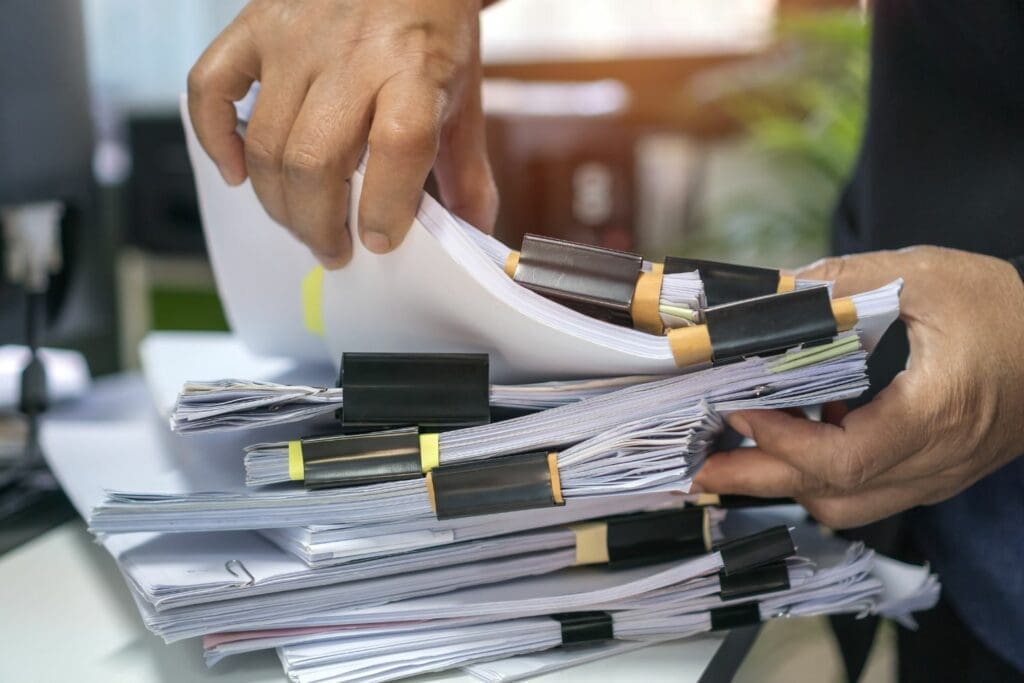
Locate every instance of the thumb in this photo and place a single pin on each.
(853, 274)
(466, 183)
(462, 169)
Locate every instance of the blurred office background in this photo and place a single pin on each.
(719, 129)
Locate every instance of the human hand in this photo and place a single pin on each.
(335, 75)
(954, 415)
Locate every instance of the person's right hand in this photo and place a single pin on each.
(336, 75)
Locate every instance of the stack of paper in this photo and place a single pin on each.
(648, 437)
(504, 540)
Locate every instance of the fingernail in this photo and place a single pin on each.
(231, 176)
(377, 242)
(740, 424)
(331, 262)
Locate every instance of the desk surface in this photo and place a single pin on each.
(66, 611)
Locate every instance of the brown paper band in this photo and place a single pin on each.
(787, 283)
(704, 499)
(646, 300)
(430, 491)
(556, 480)
(591, 542)
(511, 263)
(845, 313)
(690, 345)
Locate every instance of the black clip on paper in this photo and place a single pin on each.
(770, 324)
(592, 280)
(651, 537)
(733, 501)
(585, 627)
(745, 553)
(431, 390)
(769, 578)
(514, 482)
(354, 459)
(725, 283)
(733, 616)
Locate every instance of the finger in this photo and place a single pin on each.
(845, 511)
(273, 115)
(403, 139)
(752, 472)
(222, 75)
(852, 274)
(321, 153)
(463, 170)
(869, 440)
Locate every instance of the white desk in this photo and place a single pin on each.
(67, 615)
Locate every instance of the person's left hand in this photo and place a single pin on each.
(954, 415)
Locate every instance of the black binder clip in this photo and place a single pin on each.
(592, 280)
(661, 536)
(745, 553)
(431, 390)
(769, 578)
(354, 459)
(770, 324)
(585, 627)
(514, 482)
(733, 616)
(726, 282)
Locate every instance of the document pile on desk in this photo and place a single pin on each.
(494, 595)
(498, 481)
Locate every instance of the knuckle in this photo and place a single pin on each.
(200, 79)
(261, 155)
(303, 163)
(406, 137)
(847, 471)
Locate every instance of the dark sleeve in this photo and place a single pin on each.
(1018, 263)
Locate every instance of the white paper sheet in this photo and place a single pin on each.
(439, 291)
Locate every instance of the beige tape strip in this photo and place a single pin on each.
(430, 491)
(591, 542)
(690, 345)
(787, 283)
(646, 300)
(556, 480)
(707, 531)
(511, 263)
(845, 313)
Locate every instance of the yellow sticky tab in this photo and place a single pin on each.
(430, 452)
(787, 283)
(312, 305)
(296, 469)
